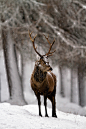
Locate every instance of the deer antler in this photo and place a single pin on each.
(51, 44)
(34, 44)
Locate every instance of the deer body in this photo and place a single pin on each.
(43, 81)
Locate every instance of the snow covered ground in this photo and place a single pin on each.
(26, 117)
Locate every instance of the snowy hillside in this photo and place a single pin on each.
(26, 117)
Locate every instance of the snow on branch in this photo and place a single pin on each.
(37, 3)
(60, 32)
(11, 18)
(82, 5)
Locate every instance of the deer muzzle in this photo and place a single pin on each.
(50, 69)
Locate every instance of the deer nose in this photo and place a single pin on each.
(51, 69)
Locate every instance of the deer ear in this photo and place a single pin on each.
(46, 59)
(38, 57)
(36, 63)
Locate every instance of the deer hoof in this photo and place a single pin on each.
(54, 116)
(40, 115)
(46, 115)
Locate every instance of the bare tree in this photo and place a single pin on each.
(74, 98)
(0, 87)
(62, 91)
(82, 84)
(14, 81)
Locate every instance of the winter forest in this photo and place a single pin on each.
(62, 20)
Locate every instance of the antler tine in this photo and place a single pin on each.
(51, 53)
(31, 37)
(51, 44)
(34, 44)
(47, 39)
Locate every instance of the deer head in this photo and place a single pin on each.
(42, 63)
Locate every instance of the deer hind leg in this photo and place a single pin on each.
(53, 107)
(39, 104)
(45, 104)
(52, 98)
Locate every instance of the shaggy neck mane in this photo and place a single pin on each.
(39, 75)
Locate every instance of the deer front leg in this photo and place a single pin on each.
(39, 104)
(45, 104)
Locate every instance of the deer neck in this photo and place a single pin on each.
(39, 75)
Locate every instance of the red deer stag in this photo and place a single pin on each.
(43, 81)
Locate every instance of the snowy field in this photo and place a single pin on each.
(26, 117)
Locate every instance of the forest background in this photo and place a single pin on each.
(63, 20)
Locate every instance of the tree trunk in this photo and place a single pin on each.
(61, 82)
(81, 83)
(0, 87)
(22, 71)
(84, 92)
(74, 86)
(14, 81)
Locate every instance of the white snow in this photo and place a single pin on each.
(26, 117)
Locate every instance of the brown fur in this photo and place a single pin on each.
(43, 82)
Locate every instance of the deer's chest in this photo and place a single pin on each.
(43, 86)
(39, 76)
